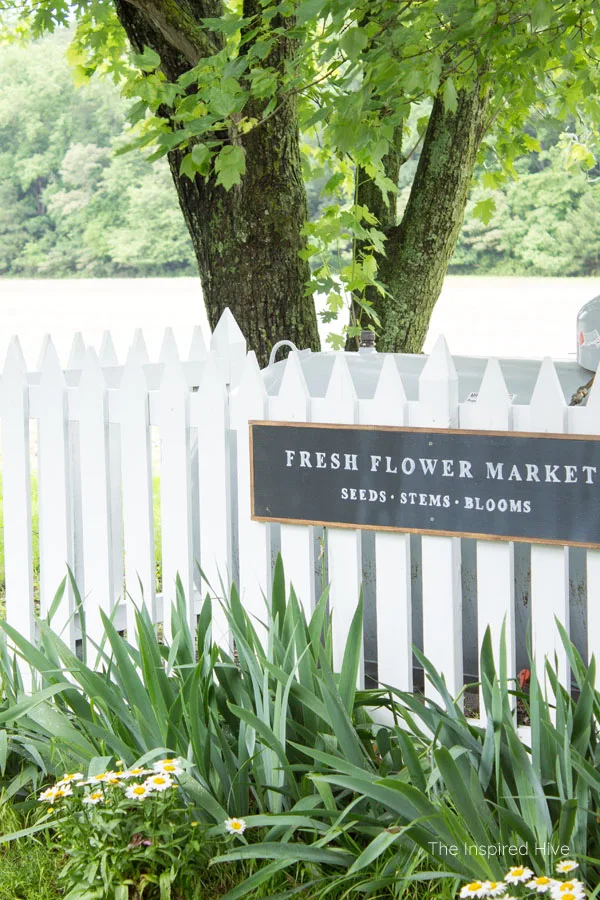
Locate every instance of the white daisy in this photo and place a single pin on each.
(137, 792)
(494, 888)
(158, 782)
(135, 773)
(56, 793)
(517, 874)
(102, 778)
(565, 890)
(566, 865)
(541, 884)
(235, 826)
(168, 766)
(77, 776)
(94, 798)
(572, 894)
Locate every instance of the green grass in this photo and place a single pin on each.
(29, 867)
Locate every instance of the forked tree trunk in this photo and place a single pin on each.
(246, 240)
(419, 249)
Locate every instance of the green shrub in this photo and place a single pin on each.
(452, 787)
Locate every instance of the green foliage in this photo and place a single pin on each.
(449, 786)
(115, 840)
(68, 205)
(546, 222)
(358, 71)
(272, 734)
(239, 721)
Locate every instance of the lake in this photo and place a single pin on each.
(482, 316)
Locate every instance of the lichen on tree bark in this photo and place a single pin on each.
(246, 240)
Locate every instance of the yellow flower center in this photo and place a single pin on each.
(140, 789)
(169, 768)
(517, 870)
(493, 885)
(543, 879)
(159, 780)
(96, 795)
(236, 826)
(568, 896)
(59, 792)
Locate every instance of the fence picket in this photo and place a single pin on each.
(492, 411)
(549, 565)
(209, 407)
(54, 493)
(248, 401)
(98, 587)
(229, 346)
(16, 482)
(392, 551)
(441, 561)
(586, 420)
(344, 563)
(197, 349)
(168, 349)
(175, 483)
(136, 457)
(77, 352)
(292, 404)
(108, 354)
(96, 498)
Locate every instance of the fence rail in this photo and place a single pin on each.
(142, 468)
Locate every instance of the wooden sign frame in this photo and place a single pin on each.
(440, 432)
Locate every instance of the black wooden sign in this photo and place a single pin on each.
(543, 488)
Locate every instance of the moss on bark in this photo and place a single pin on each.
(246, 240)
(419, 248)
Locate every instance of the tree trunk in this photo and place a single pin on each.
(246, 240)
(419, 249)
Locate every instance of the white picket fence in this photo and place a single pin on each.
(100, 431)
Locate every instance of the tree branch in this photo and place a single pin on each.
(180, 29)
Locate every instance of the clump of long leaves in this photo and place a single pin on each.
(461, 791)
(238, 719)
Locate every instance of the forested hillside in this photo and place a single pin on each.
(70, 205)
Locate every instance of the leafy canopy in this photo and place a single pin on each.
(360, 68)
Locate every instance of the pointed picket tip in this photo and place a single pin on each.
(547, 406)
(389, 385)
(138, 352)
(134, 378)
(49, 364)
(92, 377)
(293, 383)
(168, 350)
(108, 354)
(493, 392)
(197, 349)
(439, 364)
(250, 392)
(40, 359)
(340, 385)
(14, 363)
(77, 353)
(547, 388)
(227, 334)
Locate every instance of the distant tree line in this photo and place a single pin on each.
(71, 205)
